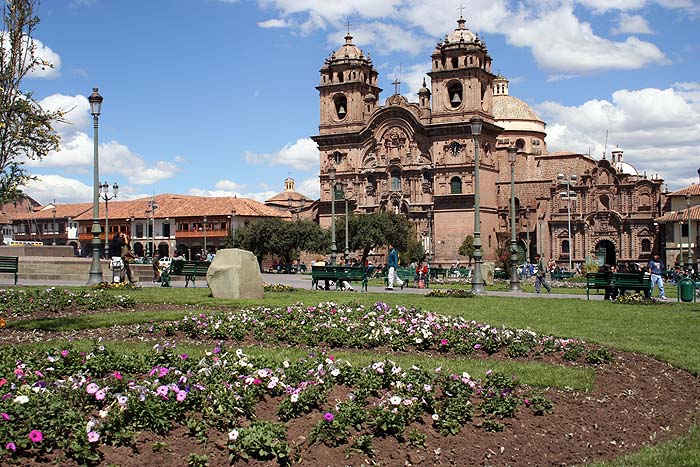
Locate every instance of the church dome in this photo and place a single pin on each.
(511, 108)
(461, 34)
(626, 168)
(349, 51)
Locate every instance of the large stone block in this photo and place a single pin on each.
(235, 273)
(487, 272)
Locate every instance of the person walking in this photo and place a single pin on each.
(393, 263)
(540, 275)
(656, 266)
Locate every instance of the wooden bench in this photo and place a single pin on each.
(561, 275)
(338, 274)
(636, 281)
(10, 264)
(405, 274)
(190, 269)
(598, 281)
(436, 272)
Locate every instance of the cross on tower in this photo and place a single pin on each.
(461, 10)
(348, 27)
(396, 84)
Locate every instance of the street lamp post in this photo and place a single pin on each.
(346, 252)
(568, 179)
(527, 234)
(95, 277)
(334, 249)
(151, 225)
(233, 223)
(104, 194)
(53, 226)
(205, 238)
(477, 280)
(687, 206)
(514, 279)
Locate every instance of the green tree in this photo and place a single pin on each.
(26, 130)
(467, 247)
(371, 231)
(414, 250)
(274, 236)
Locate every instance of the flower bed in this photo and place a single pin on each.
(277, 287)
(450, 293)
(358, 326)
(74, 402)
(23, 302)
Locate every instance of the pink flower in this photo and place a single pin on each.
(99, 395)
(183, 356)
(257, 382)
(35, 436)
(443, 341)
(11, 447)
(92, 388)
(93, 436)
(181, 396)
(329, 417)
(4, 416)
(2, 381)
(117, 375)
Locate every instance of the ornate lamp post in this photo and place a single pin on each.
(205, 238)
(477, 280)
(568, 196)
(527, 234)
(53, 226)
(687, 206)
(95, 100)
(233, 223)
(429, 255)
(346, 252)
(151, 217)
(334, 248)
(104, 194)
(514, 279)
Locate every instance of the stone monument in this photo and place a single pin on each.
(235, 273)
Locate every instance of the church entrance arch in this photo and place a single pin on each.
(605, 251)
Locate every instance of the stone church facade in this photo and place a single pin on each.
(417, 158)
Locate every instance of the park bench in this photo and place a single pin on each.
(500, 274)
(407, 275)
(338, 274)
(190, 269)
(10, 264)
(636, 281)
(561, 275)
(597, 281)
(436, 272)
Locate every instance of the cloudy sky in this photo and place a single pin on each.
(217, 97)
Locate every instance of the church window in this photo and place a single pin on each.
(455, 62)
(565, 247)
(454, 91)
(341, 106)
(456, 186)
(396, 180)
(471, 60)
(604, 202)
(370, 180)
(341, 77)
(520, 144)
(646, 246)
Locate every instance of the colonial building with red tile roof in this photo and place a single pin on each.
(679, 235)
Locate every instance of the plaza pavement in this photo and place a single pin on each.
(295, 280)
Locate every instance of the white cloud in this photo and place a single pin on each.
(64, 190)
(572, 47)
(632, 24)
(274, 23)
(77, 112)
(659, 129)
(310, 187)
(384, 38)
(52, 69)
(228, 185)
(302, 155)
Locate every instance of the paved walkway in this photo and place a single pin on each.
(295, 280)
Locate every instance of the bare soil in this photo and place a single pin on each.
(636, 401)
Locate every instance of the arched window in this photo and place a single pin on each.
(455, 63)
(456, 186)
(520, 144)
(341, 105)
(396, 180)
(565, 247)
(454, 91)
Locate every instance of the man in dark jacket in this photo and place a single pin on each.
(540, 279)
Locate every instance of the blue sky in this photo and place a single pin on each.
(217, 97)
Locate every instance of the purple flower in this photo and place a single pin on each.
(329, 417)
(4, 416)
(35, 436)
(11, 447)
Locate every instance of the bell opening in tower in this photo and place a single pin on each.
(454, 90)
(341, 106)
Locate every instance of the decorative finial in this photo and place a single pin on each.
(461, 10)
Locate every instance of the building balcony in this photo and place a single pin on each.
(213, 233)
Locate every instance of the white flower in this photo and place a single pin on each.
(395, 400)
(435, 417)
(335, 372)
(233, 435)
(21, 399)
(295, 397)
